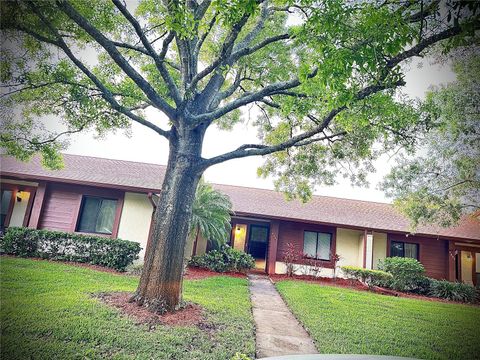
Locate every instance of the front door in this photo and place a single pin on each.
(257, 244)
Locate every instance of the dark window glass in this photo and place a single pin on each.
(317, 245)
(5, 206)
(97, 215)
(259, 233)
(402, 249)
(397, 249)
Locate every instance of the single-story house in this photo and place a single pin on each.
(116, 198)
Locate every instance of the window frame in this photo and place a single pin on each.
(116, 218)
(316, 245)
(392, 241)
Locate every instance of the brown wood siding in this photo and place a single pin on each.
(59, 209)
(292, 232)
(433, 253)
(61, 206)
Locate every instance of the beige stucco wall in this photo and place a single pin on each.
(201, 246)
(379, 248)
(135, 220)
(19, 209)
(349, 247)
(280, 268)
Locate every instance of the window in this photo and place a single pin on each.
(97, 215)
(6, 198)
(317, 245)
(403, 249)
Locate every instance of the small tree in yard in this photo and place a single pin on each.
(291, 258)
(335, 258)
(210, 215)
(322, 74)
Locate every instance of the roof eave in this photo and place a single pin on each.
(30, 177)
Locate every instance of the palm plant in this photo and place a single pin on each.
(210, 215)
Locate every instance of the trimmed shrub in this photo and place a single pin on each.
(408, 274)
(55, 245)
(455, 291)
(223, 260)
(367, 276)
(135, 269)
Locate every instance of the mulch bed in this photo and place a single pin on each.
(190, 315)
(352, 284)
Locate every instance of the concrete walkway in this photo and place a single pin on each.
(277, 331)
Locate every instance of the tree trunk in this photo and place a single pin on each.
(160, 285)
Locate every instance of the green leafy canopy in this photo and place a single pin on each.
(322, 76)
(442, 182)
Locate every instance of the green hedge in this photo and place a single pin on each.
(55, 245)
(224, 259)
(367, 276)
(453, 291)
(408, 274)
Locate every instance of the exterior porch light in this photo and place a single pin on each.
(19, 196)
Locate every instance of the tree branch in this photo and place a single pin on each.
(116, 56)
(250, 50)
(131, 47)
(106, 94)
(248, 98)
(226, 51)
(422, 45)
(159, 60)
(255, 150)
(298, 140)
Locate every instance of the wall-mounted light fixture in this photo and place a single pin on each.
(22, 195)
(238, 229)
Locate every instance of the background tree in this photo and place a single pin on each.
(442, 182)
(210, 215)
(323, 75)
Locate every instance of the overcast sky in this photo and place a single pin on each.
(146, 146)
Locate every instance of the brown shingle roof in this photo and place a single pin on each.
(90, 170)
(246, 201)
(332, 210)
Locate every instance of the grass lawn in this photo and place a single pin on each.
(348, 321)
(47, 312)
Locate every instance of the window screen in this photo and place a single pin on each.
(323, 246)
(411, 250)
(97, 215)
(310, 244)
(317, 245)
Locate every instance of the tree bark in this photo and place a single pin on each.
(160, 285)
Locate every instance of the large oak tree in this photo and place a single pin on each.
(322, 74)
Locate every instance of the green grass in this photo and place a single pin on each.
(347, 321)
(47, 312)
